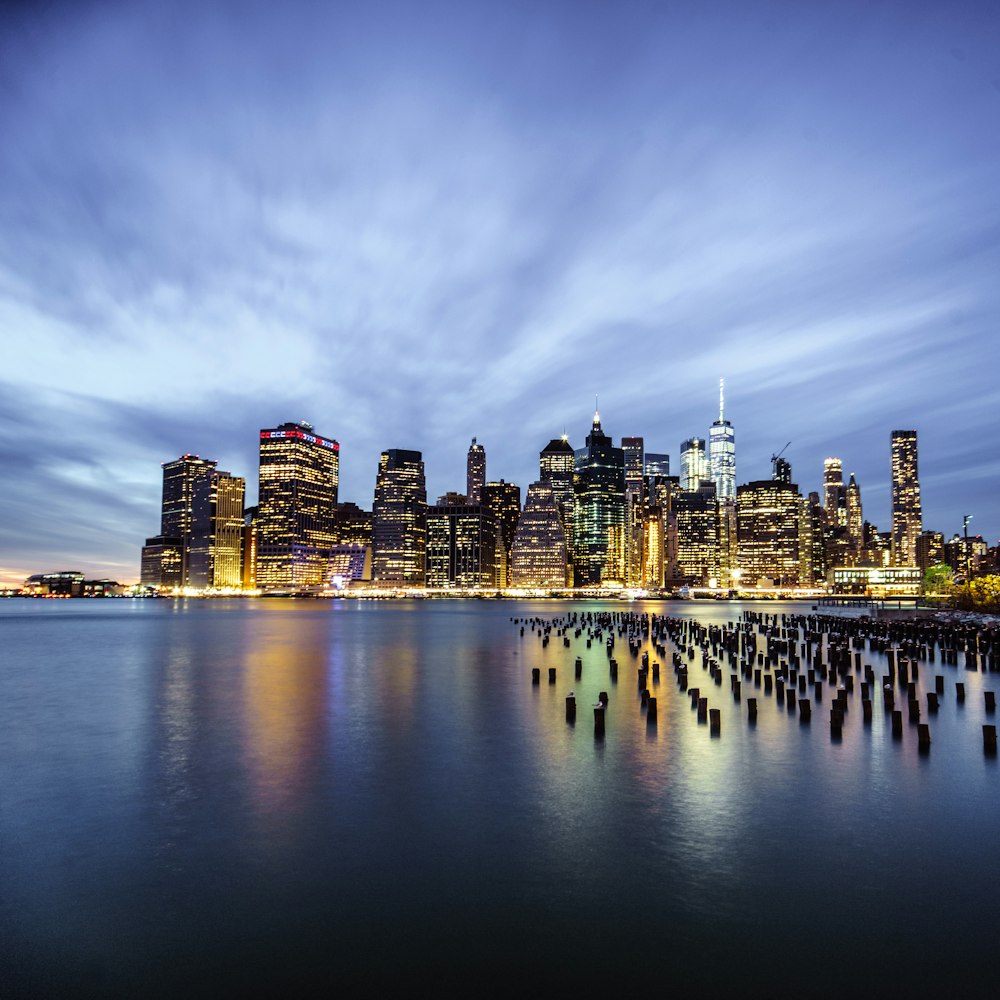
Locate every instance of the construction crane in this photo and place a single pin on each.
(774, 460)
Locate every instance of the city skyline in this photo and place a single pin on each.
(411, 231)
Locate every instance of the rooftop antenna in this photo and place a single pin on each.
(722, 385)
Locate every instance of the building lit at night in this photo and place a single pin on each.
(540, 556)
(299, 473)
(907, 519)
(599, 511)
(399, 520)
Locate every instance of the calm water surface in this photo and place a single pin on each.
(233, 796)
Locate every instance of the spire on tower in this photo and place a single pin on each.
(722, 384)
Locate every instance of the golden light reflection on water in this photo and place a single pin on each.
(285, 697)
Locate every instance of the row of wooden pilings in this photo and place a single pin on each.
(799, 666)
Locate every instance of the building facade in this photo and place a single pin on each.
(907, 517)
(216, 550)
(540, 557)
(298, 480)
(463, 545)
(475, 472)
(599, 510)
(399, 520)
(722, 452)
(694, 464)
(773, 534)
(177, 508)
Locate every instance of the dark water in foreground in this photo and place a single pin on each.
(226, 797)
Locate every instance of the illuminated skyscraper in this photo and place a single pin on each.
(657, 463)
(399, 519)
(635, 464)
(556, 464)
(694, 464)
(539, 555)
(855, 517)
(462, 547)
(834, 497)
(773, 529)
(216, 551)
(176, 517)
(722, 452)
(504, 500)
(694, 516)
(599, 510)
(299, 473)
(907, 518)
(475, 472)
(634, 452)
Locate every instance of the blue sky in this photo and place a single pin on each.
(415, 223)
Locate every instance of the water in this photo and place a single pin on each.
(225, 797)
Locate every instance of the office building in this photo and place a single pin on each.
(854, 515)
(399, 520)
(298, 479)
(215, 559)
(352, 525)
(657, 463)
(463, 541)
(694, 464)
(540, 557)
(634, 452)
(907, 518)
(694, 523)
(599, 510)
(834, 496)
(556, 464)
(722, 452)
(504, 500)
(162, 563)
(773, 534)
(475, 472)
(930, 549)
(176, 513)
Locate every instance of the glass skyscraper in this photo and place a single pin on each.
(539, 556)
(299, 474)
(907, 518)
(475, 472)
(694, 463)
(722, 452)
(399, 519)
(599, 510)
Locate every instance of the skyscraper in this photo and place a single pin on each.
(834, 497)
(634, 463)
(504, 500)
(722, 452)
(855, 517)
(462, 547)
(475, 472)
(599, 510)
(399, 528)
(556, 463)
(657, 464)
(539, 555)
(299, 473)
(694, 463)
(695, 523)
(773, 529)
(176, 513)
(907, 518)
(216, 550)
